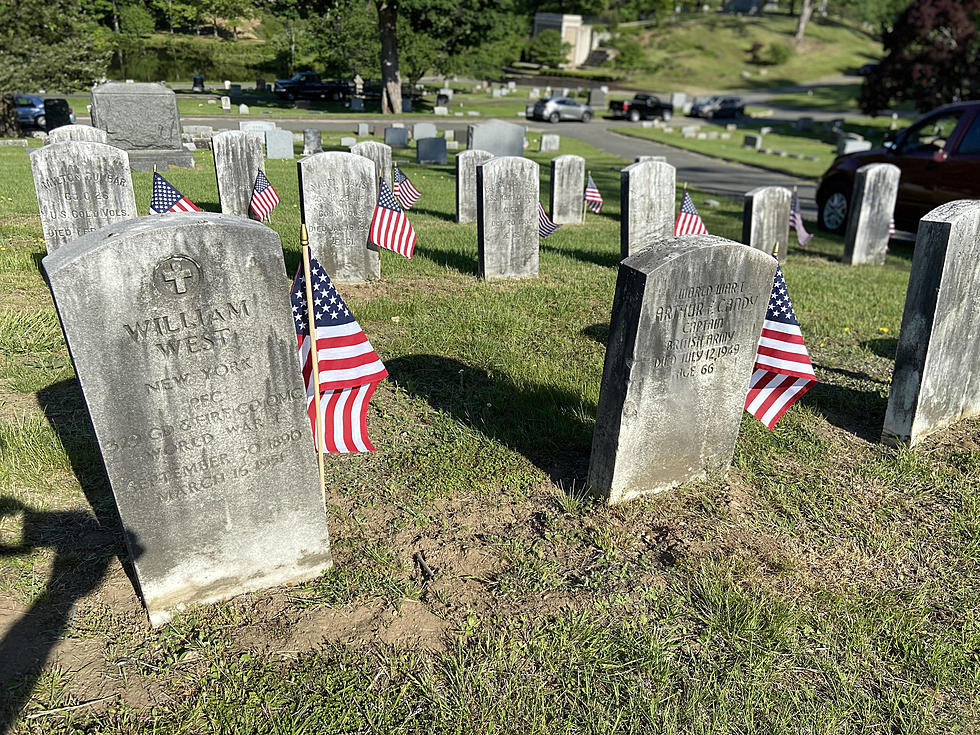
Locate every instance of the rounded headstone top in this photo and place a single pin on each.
(669, 249)
(513, 162)
(890, 168)
(131, 88)
(648, 165)
(74, 148)
(954, 210)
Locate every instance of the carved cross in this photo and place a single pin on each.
(178, 275)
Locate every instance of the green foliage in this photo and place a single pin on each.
(779, 53)
(630, 56)
(135, 20)
(548, 48)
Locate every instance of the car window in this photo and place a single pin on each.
(930, 135)
(23, 102)
(970, 145)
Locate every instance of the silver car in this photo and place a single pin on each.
(554, 109)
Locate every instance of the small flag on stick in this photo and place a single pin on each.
(167, 199)
(688, 220)
(891, 227)
(404, 191)
(390, 227)
(796, 221)
(545, 225)
(343, 372)
(783, 372)
(264, 197)
(593, 199)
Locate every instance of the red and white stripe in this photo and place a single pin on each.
(771, 394)
(391, 229)
(343, 416)
(345, 358)
(781, 348)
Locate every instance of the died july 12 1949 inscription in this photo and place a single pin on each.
(200, 415)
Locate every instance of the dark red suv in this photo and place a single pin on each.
(939, 155)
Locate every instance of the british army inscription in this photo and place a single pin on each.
(200, 413)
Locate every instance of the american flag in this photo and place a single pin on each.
(405, 192)
(688, 220)
(891, 227)
(545, 225)
(349, 368)
(264, 197)
(167, 199)
(796, 222)
(783, 372)
(390, 227)
(593, 199)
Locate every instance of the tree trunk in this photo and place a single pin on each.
(806, 10)
(119, 51)
(391, 79)
(9, 124)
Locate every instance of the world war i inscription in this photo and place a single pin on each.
(200, 413)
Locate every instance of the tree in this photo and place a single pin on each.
(806, 10)
(391, 78)
(933, 57)
(548, 49)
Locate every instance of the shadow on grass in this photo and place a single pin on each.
(84, 548)
(445, 216)
(882, 346)
(597, 332)
(545, 424)
(453, 259)
(859, 412)
(605, 259)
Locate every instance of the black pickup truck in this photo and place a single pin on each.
(641, 107)
(308, 85)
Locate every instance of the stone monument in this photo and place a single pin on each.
(647, 193)
(871, 208)
(237, 161)
(466, 163)
(567, 189)
(765, 219)
(507, 217)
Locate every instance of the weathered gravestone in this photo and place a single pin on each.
(226, 104)
(78, 133)
(256, 128)
(466, 163)
(237, 161)
(396, 137)
(549, 143)
(646, 192)
(752, 141)
(686, 321)
(641, 159)
(142, 119)
(567, 189)
(597, 99)
(507, 217)
(871, 208)
(57, 113)
(431, 150)
(363, 129)
(424, 130)
(338, 192)
(348, 141)
(81, 187)
(765, 219)
(380, 154)
(312, 142)
(496, 137)
(201, 414)
(937, 364)
(279, 144)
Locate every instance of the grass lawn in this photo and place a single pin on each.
(784, 137)
(827, 584)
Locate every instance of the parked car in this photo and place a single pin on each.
(554, 109)
(642, 107)
(701, 103)
(308, 85)
(720, 107)
(31, 112)
(939, 155)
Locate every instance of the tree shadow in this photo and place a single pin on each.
(453, 259)
(597, 332)
(858, 412)
(209, 206)
(544, 423)
(445, 216)
(606, 259)
(882, 346)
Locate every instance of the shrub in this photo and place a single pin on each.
(779, 53)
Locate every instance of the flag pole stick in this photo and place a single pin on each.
(304, 241)
(588, 176)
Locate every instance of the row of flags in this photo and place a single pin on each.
(167, 199)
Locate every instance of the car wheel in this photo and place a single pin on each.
(666, 115)
(553, 117)
(586, 116)
(41, 121)
(834, 207)
(290, 96)
(634, 116)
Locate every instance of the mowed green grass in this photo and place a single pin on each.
(827, 584)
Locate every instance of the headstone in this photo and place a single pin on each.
(424, 130)
(256, 128)
(446, 92)
(201, 414)
(431, 151)
(243, 109)
(567, 189)
(685, 323)
(197, 83)
(358, 85)
(449, 134)
(646, 193)
(396, 137)
(765, 130)
(466, 163)
(597, 99)
(549, 143)
(937, 363)
(511, 85)
(347, 142)
(142, 119)
(380, 154)
(226, 104)
(81, 133)
(363, 130)
(847, 146)
(871, 208)
(279, 144)
(440, 110)
(312, 142)
(731, 127)
(496, 93)
(357, 104)
(507, 217)
(752, 141)
(198, 131)
(452, 145)
(81, 186)
(765, 219)
(260, 84)
(689, 130)
(227, 84)
(640, 159)
(236, 90)
(338, 192)
(497, 137)
(379, 131)
(237, 161)
(678, 100)
(804, 124)
(406, 104)
(57, 113)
